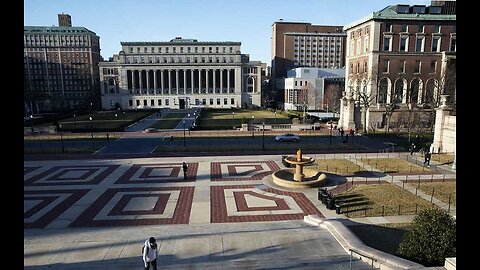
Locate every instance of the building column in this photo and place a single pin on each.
(148, 80)
(206, 80)
(176, 81)
(184, 81)
(140, 80)
(133, 80)
(228, 80)
(199, 81)
(192, 80)
(221, 80)
(162, 79)
(214, 78)
(155, 81)
(169, 81)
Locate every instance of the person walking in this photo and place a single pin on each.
(412, 148)
(428, 155)
(185, 169)
(150, 253)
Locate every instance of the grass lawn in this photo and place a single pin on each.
(443, 158)
(441, 191)
(226, 119)
(103, 120)
(394, 165)
(380, 200)
(169, 121)
(337, 166)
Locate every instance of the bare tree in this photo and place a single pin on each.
(364, 97)
(332, 96)
(394, 99)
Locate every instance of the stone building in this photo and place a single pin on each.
(180, 73)
(60, 67)
(399, 61)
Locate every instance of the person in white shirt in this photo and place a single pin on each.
(150, 253)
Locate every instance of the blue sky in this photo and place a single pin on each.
(245, 21)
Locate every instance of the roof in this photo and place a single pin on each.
(55, 30)
(182, 42)
(390, 13)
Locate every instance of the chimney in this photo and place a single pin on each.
(64, 20)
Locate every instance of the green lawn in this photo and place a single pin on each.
(102, 120)
(394, 165)
(227, 119)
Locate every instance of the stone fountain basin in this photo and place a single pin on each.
(313, 178)
(304, 161)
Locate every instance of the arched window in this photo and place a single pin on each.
(398, 94)
(414, 90)
(429, 92)
(382, 90)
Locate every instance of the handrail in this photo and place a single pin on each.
(361, 254)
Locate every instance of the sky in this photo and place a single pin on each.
(245, 21)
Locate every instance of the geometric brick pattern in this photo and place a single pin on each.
(242, 170)
(245, 203)
(41, 207)
(138, 206)
(158, 173)
(72, 175)
(29, 169)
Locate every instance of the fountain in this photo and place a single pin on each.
(299, 177)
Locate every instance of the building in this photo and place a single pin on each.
(399, 61)
(60, 67)
(312, 88)
(180, 73)
(300, 44)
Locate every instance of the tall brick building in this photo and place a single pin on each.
(60, 67)
(399, 58)
(298, 44)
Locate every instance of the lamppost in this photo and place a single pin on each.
(190, 124)
(263, 136)
(123, 118)
(91, 125)
(253, 127)
(233, 119)
(275, 122)
(61, 137)
(184, 133)
(116, 117)
(31, 125)
(75, 121)
(331, 128)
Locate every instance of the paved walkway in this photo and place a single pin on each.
(96, 214)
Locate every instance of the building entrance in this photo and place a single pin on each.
(181, 103)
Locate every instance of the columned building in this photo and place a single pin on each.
(400, 60)
(180, 73)
(60, 67)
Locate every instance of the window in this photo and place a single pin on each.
(403, 43)
(419, 44)
(435, 44)
(365, 67)
(211, 101)
(218, 101)
(351, 71)
(388, 27)
(402, 67)
(225, 101)
(365, 46)
(145, 102)
(418, 66)
(453, 44)
(358, 68)
(167, 102)
(404, 28)
(386, 64)
(433, 67)
(232, 101)
(153, 49)
(137, 102)
(436, 29)
(159, 102)
(358, 47)
(152, 102)
(387, 43)
(421, 28)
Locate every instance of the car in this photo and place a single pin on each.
(149, 130)
(287, 137)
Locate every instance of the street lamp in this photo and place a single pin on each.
(233, 119)
(61, 137)
(31, 125)
(91, 125)
(275, 122)
(190, 124)
(263, 136)
(123, 118)
(184, 133)
(116, 117)
(253, 127)
(331, 128)
(75, 121)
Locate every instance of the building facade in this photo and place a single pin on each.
(399, 61)
(180, 73)
(60, 67)
(298, 44)
(307, 88)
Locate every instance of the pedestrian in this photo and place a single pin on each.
(412, 148)
(428, 155)
(351, 132)
(341, 133)
(150, 253)
(346, 138)
(185, 169)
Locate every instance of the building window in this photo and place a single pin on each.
(435, 44)
(159, 102)
(436, 29)
(211, 101)
(358, 67)
(387, 43)
(152, 102)
(218, 101)
(225, 101)
(386, 66)
(418, 66)
(145, 102)
(402, 67)
(421, 28)
(419, 44)
(388, 27)
(404, 28)
(137, 102)
(365, 46)
(403, 43)
(365, 67)
(167, 102)
(433, 67)
(232, 101)
(453, 44)
(351, 71)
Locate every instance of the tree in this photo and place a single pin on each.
(393, 100)
(431, 239)
(332, 96)
(364, 97)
